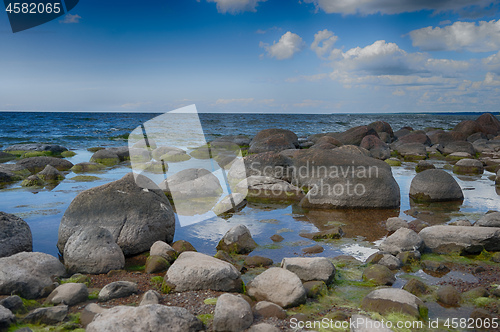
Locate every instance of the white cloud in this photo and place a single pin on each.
(326, 39)
(368, 7)
(289, 44)
(492, 63)
(459, 36)
(232, 101)
(236, 6)
(71, 19)
(492, 79)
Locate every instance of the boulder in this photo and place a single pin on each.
(404, 239)
(196, 271)
(424, 165)
(136, 217)
(448, 295)
(326, 143)
(32, 181)
(378, 149)
(408, 257)
(49, 316)
(153, 317)
(7, 176)
(310, 268)
(415, 137)
(355, 135)
(391, 262)
(381, 127)
(29, 274)
(14, 303)
(150, 297)
(435, 185)
(458, 146)
(15, 235)
(411, 151)
(50, 174)
(122, 152)
(491, 219)
(49, 149)
(116, 290)
(37, 164)
(273, 140)
(6, 318)
(258, 261)
(279, 286)
(155, 264)
(170, 154)
(402, 132)
(468, 166)
(182, 245)
(105, 157)
(341, 180)
(87, 167)
(93, 250)
(489, 123)
(192, 183)
(395, 223)
(386, 300)
(232, 313)
(69, 294)
(271, 164)
(416, 287)
(268, 188)
(4, 157)
(163, 249)
(237, 240)
(379, 275)
(468, 127)
(267, 309)
(474, 137)
(463, 239)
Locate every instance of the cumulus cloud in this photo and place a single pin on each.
(289, 44)
(368, 7)
(236, 6)
(459, 36)
(71, 19)
(323, 42)
(492, 63)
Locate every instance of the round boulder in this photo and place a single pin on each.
(237, 240)
(379, 275)
(15, 235)
(69, 294)
(136, 217)
(491, 219)
(435, 185)
(273, 140)
(105, 157)
(279, 286)
(468, 166)
(387, 300)
(37, 164)
(310, 268)
(404, 239)
(232, 314)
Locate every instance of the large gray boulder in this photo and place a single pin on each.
(468, 166)
(491, 219)
(435, 185)
(378, 149)
(237, 240)
(279, 286)
(15, 235)
(93, 250)
(37, 164)
(387, 300)
(196, 271)
(232, 313)
(69, 293)
(310, 268)
(343, 180)
(153, 317)
(136, 217)
(463, 239)
(49, 316)
(29, 274)
(404, 239)
(273, 140)
(192, 183)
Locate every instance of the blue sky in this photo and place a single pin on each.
(309, 56)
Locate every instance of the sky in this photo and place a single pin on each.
(257, 56)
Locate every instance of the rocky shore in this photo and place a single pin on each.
(120, 269)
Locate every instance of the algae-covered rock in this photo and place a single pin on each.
(379, 275)
(386, 300)
(237, 240)
(435, 185)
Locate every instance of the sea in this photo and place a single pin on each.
(43, 208)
